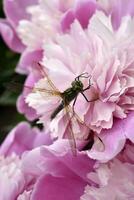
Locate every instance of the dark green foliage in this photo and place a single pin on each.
(9, 116)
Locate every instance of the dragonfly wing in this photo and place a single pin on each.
(98, 143)
(43, 88)
(44, 85)
(17, 87)
(75, 115)
(44, 74)
(70, 130)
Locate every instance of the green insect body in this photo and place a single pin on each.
(70, 94)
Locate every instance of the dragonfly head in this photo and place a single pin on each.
(77, 85)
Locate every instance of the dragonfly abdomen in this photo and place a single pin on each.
(67, 96)
(57, 110)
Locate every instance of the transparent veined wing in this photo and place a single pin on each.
(92, 138)
(73, 127)
(47, 87)
(42, 71)
(70, 130)
(16, 86)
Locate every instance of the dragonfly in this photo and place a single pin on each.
(66, 98)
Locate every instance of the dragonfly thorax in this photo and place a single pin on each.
(77, 85)
(71, 93)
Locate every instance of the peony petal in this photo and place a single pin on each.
(23, 108)
(23, 138)
(60, 160)
(121, 9)
(128, 124)
(82, 11)
(67, 20)
(52, 188)
(16, 10)
(27, 60)
(113, 139)
(9, 36)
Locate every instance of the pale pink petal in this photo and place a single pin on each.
(23, 108)
(113, 139)
(12, 179)
(58, 150)
(24, 196)
(58, 188)
(117, 9)
(10, 37)
(116, 175)
(128, 124)
(23, 138)
(16, 10)
(27, 60)
(82, 11)
(58, 169)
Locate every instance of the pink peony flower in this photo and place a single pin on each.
(70, 38)
(14, 183)
(47, 169)
(33, 15)
(115, 180)
(107, 56)
(29, 15)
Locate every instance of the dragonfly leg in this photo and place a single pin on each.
(86, 88)
(87, 98)
(89, 85)
(83, 75)
(84, 96)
